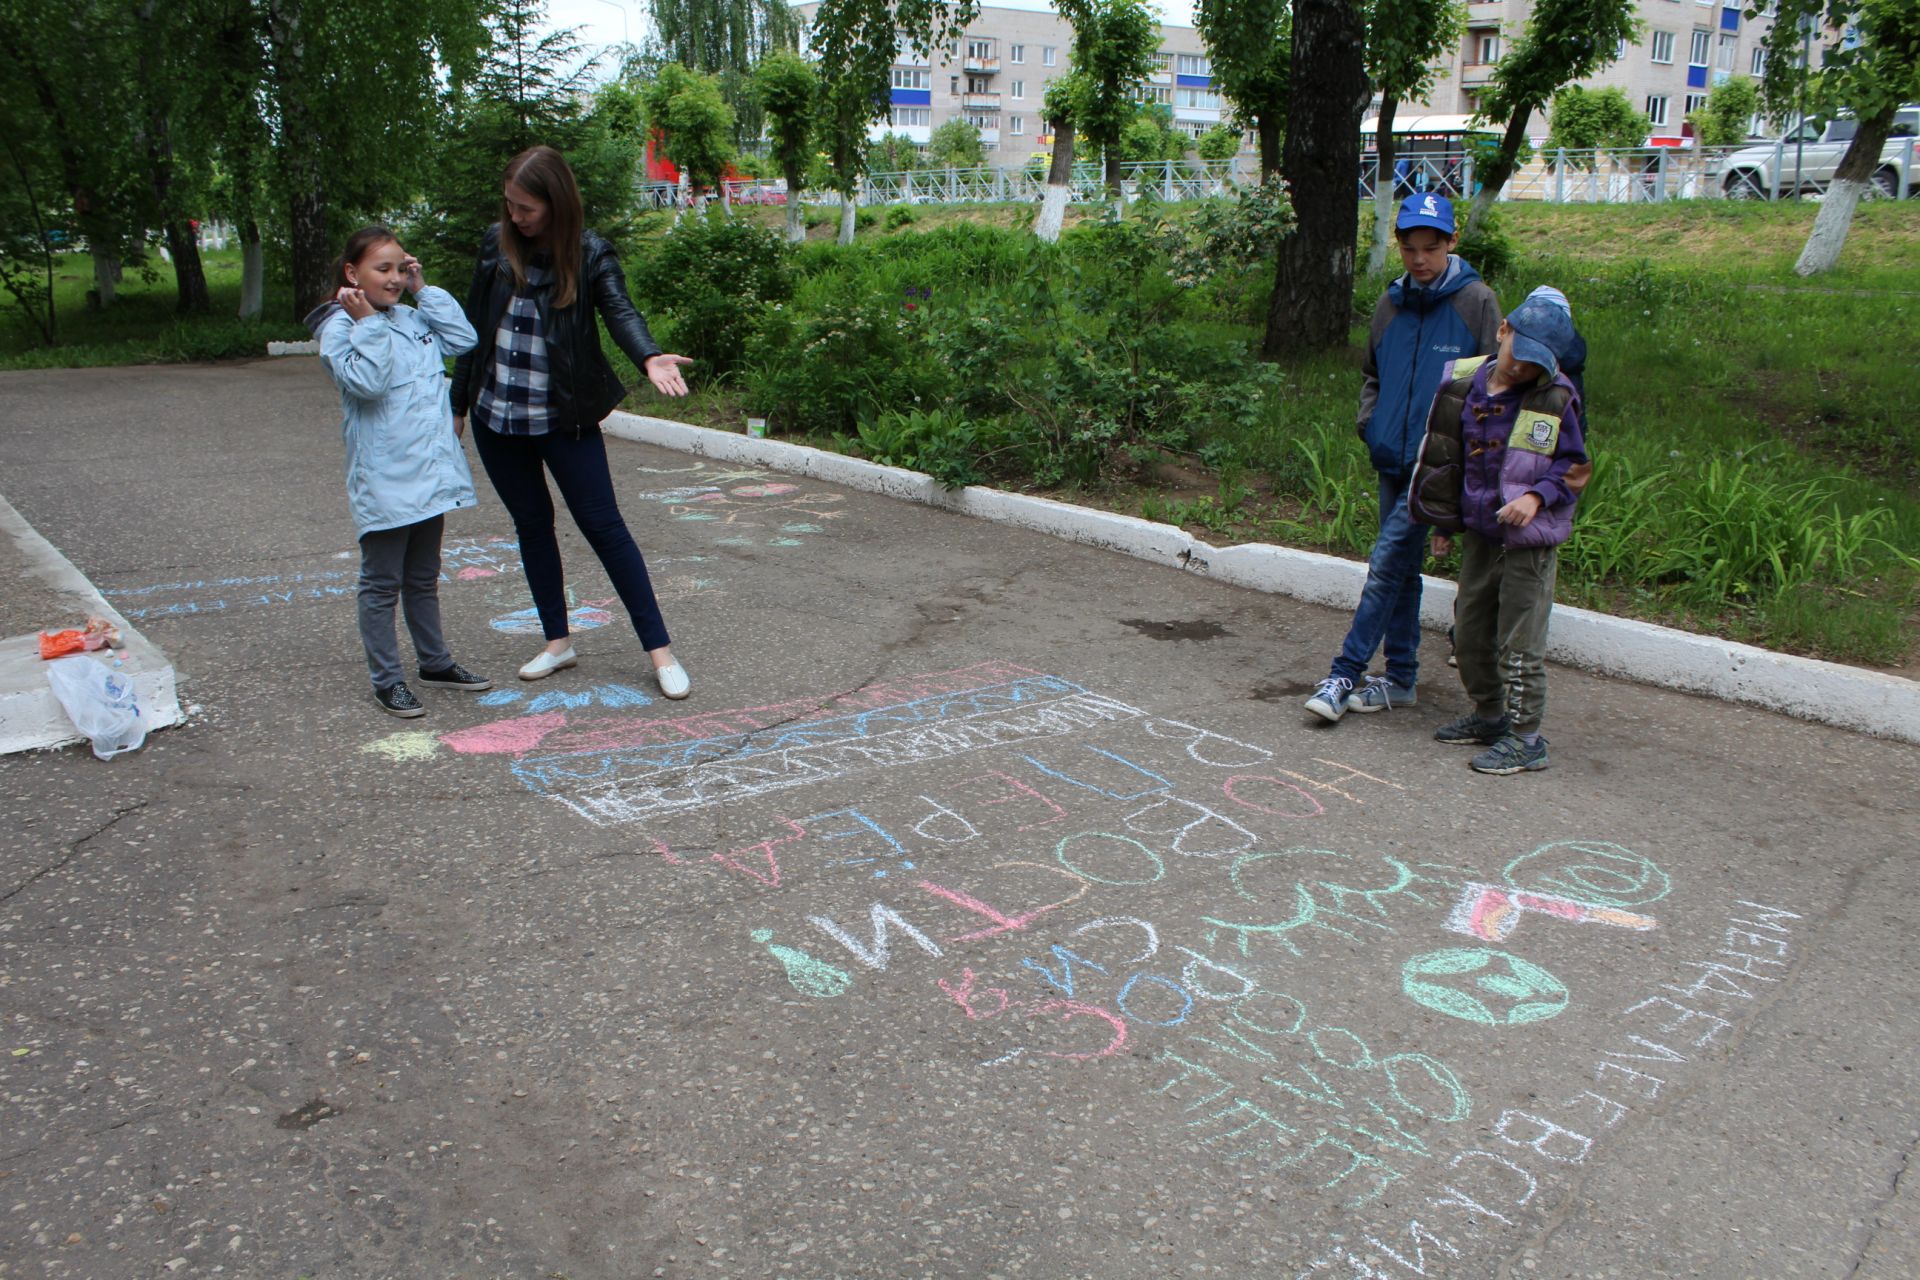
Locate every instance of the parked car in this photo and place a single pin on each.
(1812, 153)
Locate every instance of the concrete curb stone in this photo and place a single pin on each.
(1806, 688)
(47, 591)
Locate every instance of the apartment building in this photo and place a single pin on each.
(1685, 48)
(996, 77)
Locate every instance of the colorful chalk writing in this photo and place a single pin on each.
(526, 622)
(1494, 988)
(403, 747)
(808, 975)
(1597, 873)
(1492, 912)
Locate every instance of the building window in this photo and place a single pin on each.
(1203, 99)
(1016, 125)
(1488, 51)
(1163, 62)
(1695, 101)
(1159, 93)
(1193, 64)
(1018, 90)
(910, 78)
(984, 123)
(912, 115)
(1729, 48)
(979, 49)
(1016, 54)
(1049, 56)
(1620, 49)
(1758, 67)
(1663, 47)
(1657, 110)
(1702, 44)
(979, 84)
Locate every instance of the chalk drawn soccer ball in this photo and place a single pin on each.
(1476, 984)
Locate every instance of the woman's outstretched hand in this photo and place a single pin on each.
(664, 373)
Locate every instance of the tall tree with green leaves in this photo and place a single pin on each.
(789, 94)
(1870, 63)
(164, 72)
(956, 144)
(1113, 46)
(529, 88)
(1405, 40)
(1564, 41)
(693, 124)
(856, 43)
(1312, 303)
(1727, 115)
(1588, 119)
(1250, 44)
(1062, 93)
(727, 39)
(347, 92)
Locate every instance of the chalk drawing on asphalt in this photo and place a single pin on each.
(1493, 988)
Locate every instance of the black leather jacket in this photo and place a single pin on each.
(582, 387)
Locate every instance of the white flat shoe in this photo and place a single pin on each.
(673, 680)
(545, 664)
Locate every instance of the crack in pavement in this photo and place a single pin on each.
(73, 850)
(1879, 1225)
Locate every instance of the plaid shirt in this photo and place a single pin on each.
(514, 400)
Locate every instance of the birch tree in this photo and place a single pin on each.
(788, 94)
(1250, 46)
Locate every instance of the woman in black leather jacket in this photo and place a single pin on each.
(537, 386)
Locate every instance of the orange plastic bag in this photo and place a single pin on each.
(97, 634)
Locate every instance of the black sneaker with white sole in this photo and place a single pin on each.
(455, 677)
(398, 700)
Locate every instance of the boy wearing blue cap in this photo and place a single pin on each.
(1440, 310)
(1503, 464)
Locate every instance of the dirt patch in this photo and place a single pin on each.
(1195, 630)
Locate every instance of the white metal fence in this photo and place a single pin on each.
(1561, 176)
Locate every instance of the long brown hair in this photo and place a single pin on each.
(543, 173)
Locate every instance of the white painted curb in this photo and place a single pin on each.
(1882, 705)
(305, 347)
(31, 718)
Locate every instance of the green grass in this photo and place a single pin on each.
(142, 326)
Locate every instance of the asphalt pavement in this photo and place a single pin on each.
(992, 908)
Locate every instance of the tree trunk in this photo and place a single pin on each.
(1386, 184)
(1269, 131)
(1499, 169)
(190, 277)
(307, 227)
(1312, 305)
(1835, 219)
(847, 218)
(1053, 205)
(796, 213)
(253, 274)
(106, 278)
(1112, 155)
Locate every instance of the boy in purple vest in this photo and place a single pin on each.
(1523, 464)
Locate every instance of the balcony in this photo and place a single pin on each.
(1476, 75)
(979, 102)
(980, 66)
(1485, 15)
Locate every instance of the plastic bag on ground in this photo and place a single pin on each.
(100, 702)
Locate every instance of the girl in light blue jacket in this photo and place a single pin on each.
(405, 465)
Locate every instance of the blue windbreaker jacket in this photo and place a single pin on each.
(1416, 331)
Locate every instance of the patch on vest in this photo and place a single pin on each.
(1535, 432)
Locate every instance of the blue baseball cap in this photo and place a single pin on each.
(1424, 209)
(1542, 328)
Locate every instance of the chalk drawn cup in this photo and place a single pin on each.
(1475, 984)
(757, 428)
(1594, 873)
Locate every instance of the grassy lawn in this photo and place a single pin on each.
(142, 326)
(1757, 452)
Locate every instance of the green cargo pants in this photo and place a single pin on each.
(1500, 628)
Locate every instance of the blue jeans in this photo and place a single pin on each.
(518, 467)
(1389, 609)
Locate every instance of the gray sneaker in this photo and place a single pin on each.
(1511, 755)
(1329, 701)
(1472, 730)
(1381, 694)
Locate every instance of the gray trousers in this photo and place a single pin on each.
(401, 563)
(1500, 619)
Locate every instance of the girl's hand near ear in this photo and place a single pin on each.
(354, 301)
(410, 268)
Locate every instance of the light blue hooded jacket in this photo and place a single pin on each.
(404, 464)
